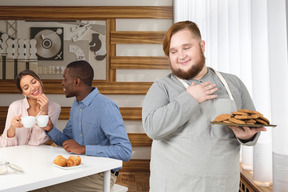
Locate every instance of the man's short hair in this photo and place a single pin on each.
(191, 26)
(82, 70)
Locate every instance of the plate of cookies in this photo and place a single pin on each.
(70, 163)
(243, 118)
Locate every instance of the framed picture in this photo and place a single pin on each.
(47, 46)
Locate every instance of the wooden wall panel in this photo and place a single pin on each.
(137, 37)
(65, 113)
(3, 114)
(111, 77)
(122, 62)
(140, 140)
(127, 88)
(131, 113)
(3, 111)
(84, 12)
(128, 113)
(110, 23)
(110, 88)
(136, 165)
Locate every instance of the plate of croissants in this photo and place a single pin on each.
(70, 163)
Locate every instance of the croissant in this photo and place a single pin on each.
(60, 160)
(73, 161)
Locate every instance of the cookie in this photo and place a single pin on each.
(261, 121)
(237, 121)
(256, 115)
(250, 121)
(246, 110)
(240, 113)
(222, 117)
(256, 112)
(244, 117)
(264, 119)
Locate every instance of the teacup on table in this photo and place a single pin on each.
(42, 120)
(28, 121)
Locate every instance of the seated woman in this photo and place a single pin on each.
(35, 103)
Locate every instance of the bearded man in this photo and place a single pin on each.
(188, 153)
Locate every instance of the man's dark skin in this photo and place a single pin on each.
(73, 87)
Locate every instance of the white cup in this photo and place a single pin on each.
(28, 121)
(42, 120)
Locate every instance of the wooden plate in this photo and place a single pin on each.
(242, 125)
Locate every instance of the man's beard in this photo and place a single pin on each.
(193, 71)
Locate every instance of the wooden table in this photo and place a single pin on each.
(39, 171)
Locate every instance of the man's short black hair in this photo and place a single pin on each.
(82, 70)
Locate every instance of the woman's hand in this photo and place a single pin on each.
(43, 101)
(15, 123)
(246, 133)
(49, 126)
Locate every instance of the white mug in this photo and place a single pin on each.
(28, 121)
(42, 120)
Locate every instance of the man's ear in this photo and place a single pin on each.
(77, 81)
(202, 44)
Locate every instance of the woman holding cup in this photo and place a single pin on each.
(27, 116)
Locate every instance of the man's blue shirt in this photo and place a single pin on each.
(96, 122)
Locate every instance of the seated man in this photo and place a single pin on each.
(95, 127)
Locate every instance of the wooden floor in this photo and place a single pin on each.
(135, 181)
